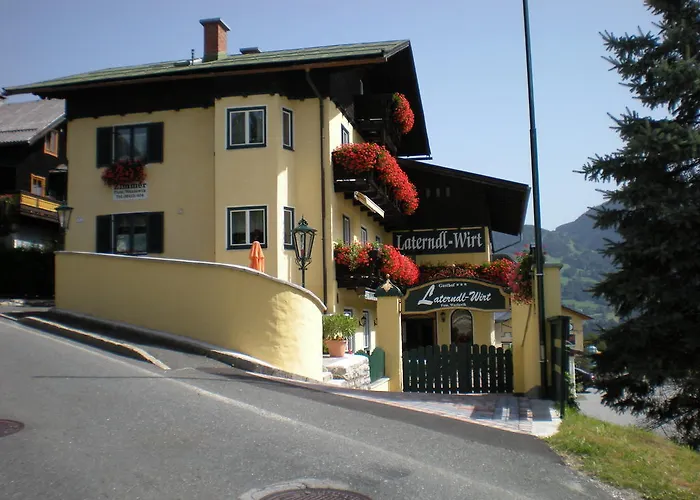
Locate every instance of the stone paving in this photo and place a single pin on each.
(507, 412)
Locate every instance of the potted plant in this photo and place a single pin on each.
(336, 330)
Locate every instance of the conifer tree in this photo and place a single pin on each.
(651, 365)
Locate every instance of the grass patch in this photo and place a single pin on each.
(629, 458)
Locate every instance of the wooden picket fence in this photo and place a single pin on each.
(458, 369)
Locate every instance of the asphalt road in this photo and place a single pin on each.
(98, 426)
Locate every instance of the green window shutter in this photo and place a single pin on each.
(105, 135)
(104, 234)
(155, 142)
(155, 232)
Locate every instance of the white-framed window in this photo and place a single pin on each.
(367, 325)
(364, 235)
(351, 339)
(347, 233)
(344, 135)
(287, 129)
(246, 127)
(246, 225)
(288, 214)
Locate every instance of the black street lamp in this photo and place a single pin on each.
(303, 237)
(64, 212)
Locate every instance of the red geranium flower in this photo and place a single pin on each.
(124, 172)
(403, 114)
(359, 158)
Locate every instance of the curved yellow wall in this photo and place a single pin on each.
(224, 305)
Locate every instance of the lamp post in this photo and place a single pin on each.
(64, 212)
(303, 238)
(538, 253)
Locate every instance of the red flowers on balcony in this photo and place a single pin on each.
(365, 157)
(124, 172)
(375, 260)
(402, 113)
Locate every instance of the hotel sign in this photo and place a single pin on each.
(441, 241)
(455, 293)
(130, 192)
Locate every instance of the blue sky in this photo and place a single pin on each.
(470, 60)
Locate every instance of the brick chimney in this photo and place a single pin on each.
(214, 38)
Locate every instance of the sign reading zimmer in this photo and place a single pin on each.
(460, 293)
(130, 192)
(441, 241)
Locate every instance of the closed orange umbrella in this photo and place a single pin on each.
(257, 259)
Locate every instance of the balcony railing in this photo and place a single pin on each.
(37, 201)
(41, 207)
(367, 184)
(366, 277)
(374, 120)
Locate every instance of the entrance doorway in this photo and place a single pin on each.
(420, 332)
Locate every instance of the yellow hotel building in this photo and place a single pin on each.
(238, 148)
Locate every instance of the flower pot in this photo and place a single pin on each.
(337, 348)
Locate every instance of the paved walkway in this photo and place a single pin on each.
(502, 411)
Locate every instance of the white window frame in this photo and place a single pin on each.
(285, 212)
(351, 340)
(343, 133)
(247, 210)
(364, 235)
(247, 144)
(290, 145)
(367, 329)
(347, 238)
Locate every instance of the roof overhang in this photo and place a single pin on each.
(474, 200)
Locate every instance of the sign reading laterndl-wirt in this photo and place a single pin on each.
(441, 241)
(455, 293)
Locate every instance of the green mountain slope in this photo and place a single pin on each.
(575, 245)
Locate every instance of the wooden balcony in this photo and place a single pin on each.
(367, 184)
(40, 207)
(374, 121)
(360, 278)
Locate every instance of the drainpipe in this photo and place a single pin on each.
(322, 138)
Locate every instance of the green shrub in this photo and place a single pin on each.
(338, 326)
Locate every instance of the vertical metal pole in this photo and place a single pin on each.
(539, 254)
(303, 275)
(564, 322)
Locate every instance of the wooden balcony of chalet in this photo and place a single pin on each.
(374, 120)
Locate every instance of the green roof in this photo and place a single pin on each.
(313, 55)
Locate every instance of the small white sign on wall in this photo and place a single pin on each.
(130, 192)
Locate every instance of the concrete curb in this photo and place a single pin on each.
(116, 331)
(92, 339)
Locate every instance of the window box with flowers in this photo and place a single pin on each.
(124, 172)
(370, 169)
(367, 265)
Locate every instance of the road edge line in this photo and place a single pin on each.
(92, 339)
